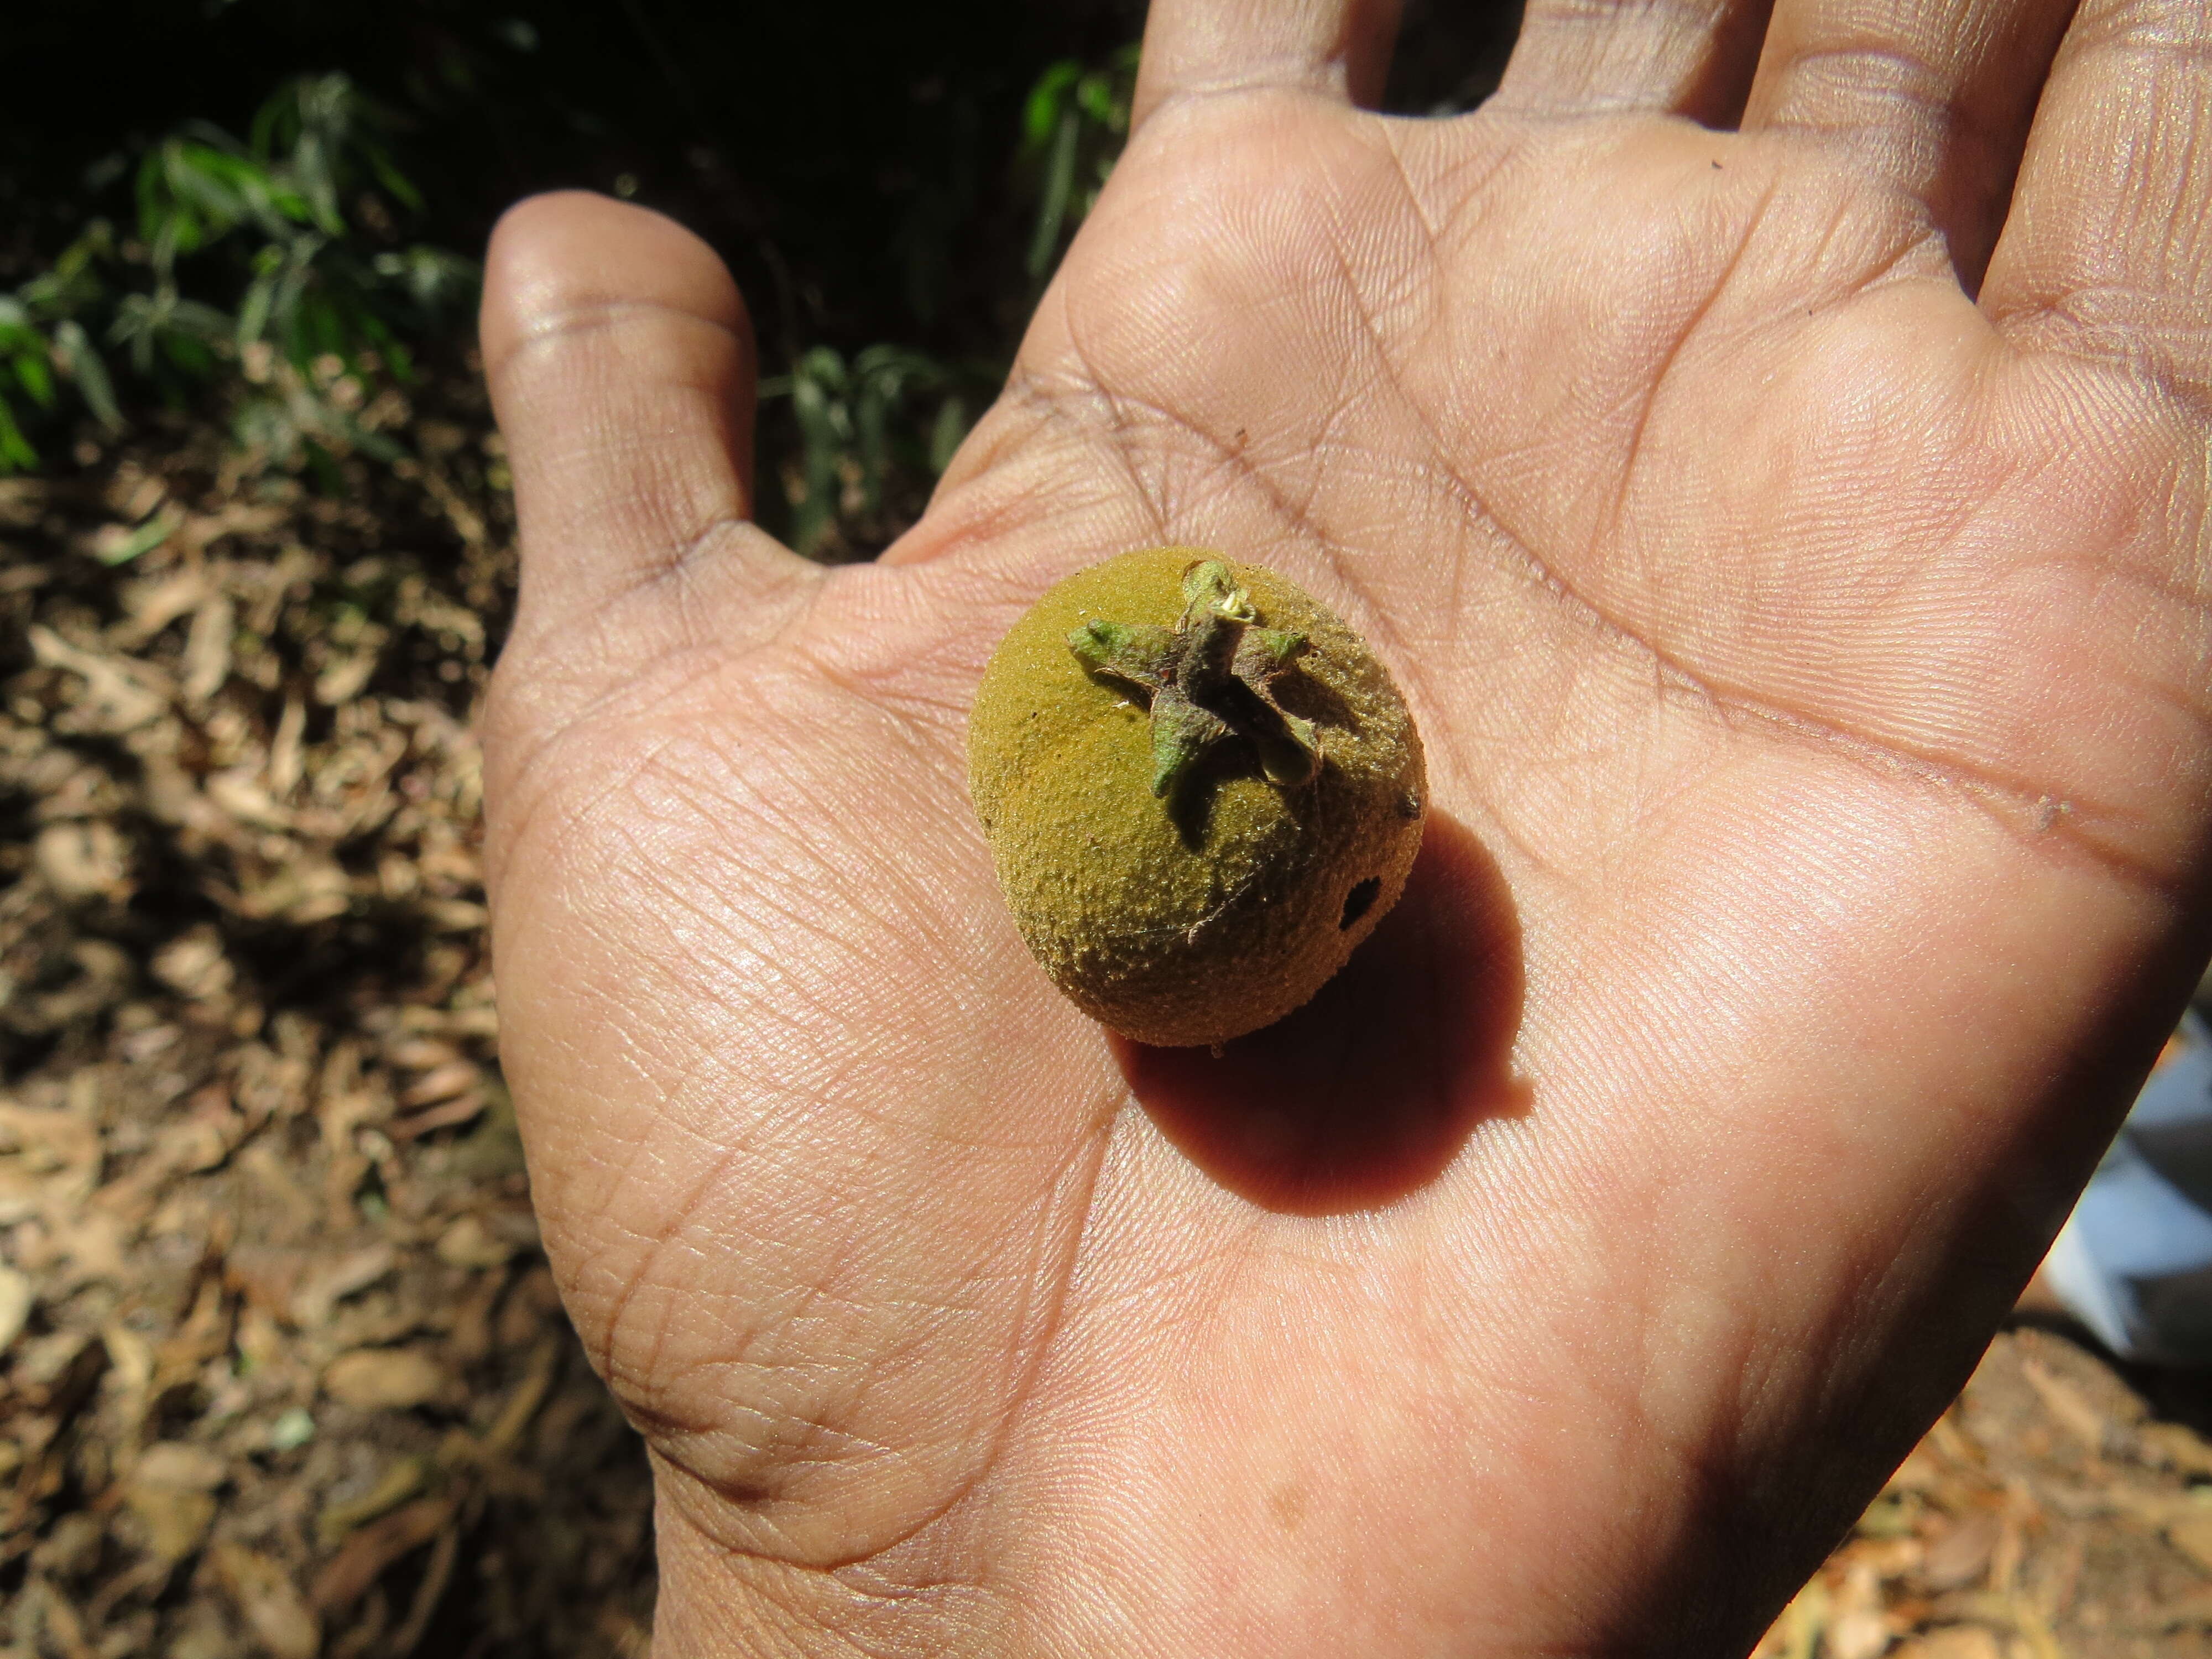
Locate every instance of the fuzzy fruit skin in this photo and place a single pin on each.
(1197, 919)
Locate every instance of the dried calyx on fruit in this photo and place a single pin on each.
(1201, 791)
(1208, 679)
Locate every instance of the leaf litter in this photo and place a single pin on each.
(282, 1367)
(2050, 1512)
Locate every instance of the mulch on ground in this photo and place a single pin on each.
(282, 1369)
(2049, 1513)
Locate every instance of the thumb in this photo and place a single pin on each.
(621, 365)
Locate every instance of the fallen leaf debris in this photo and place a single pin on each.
(2047, 1514)
(282, 1369)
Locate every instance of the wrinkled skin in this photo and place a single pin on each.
(1789, 533)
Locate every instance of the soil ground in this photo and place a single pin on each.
(282, 1369)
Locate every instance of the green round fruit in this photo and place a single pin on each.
(1200, 788)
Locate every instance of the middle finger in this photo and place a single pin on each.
(1690, 57)
(1931, 97)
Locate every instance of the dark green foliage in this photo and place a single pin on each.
(891, 412)
(247, 280)
(894, 414)
(891, 185)
(1073, 128)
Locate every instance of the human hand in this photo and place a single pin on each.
(1792, 543)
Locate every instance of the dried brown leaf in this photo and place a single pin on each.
(265, 1598)
(345, 1578)
(2067, 1406)
(239, 793)
(513, 1420)
(176, 1519)
(63, 1624)
(83, 860)
(420, 1054)
(342, 680)
(402, 1478)
(224, 1054)
(153, 604)
(339, 1277)
(2175, 1447)
(179, 1463)
(204, 1334)
(1961, 1556)
(120, 695)
(1952, 1641)
(2181, 1612)
(469, 1242)
(2192, 1536)
(418, 1124)
(17, 1296)
(206, 663)
(284, 757)
(194, 964)
(443, 1082)
(384, 1379)
(49, 1161)
(242, 519)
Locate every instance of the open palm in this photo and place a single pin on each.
(1811, 654)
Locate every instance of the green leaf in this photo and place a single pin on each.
(1041, 115)
(1052, 209)
(317, 181)
(397, 184)
(35, 375)
(822, 365)
(254, 310)
(144, 539)
(259, 230)
(204, 322)
(823, 429)
(1094, 94)
(186, 354)
(90, 374)
(222, 187)
(870, 419)
(947, 432)
(16, 454)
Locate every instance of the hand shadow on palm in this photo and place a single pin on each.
(1366, 1093)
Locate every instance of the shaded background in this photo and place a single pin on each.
(282, 1369)
(863, 168)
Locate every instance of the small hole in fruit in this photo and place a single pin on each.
(1359, 901)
